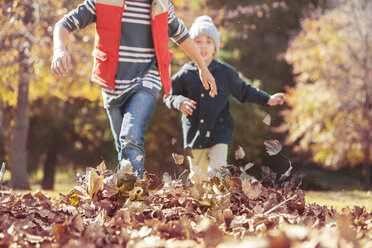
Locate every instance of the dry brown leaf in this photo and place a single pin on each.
(267, 120)
(101, 167)
(178, 158)
(139, 157)
(95, 182)
(2, 172)
(239, 153)
(273, 147)
(248, 166)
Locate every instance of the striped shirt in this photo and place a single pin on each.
(137, 69)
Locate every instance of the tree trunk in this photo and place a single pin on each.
(18, 151)
(4, 124)
(367, 169)
(49, 169)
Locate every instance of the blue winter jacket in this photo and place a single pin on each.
(211, 122)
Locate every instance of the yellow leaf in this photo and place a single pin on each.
(74, 199)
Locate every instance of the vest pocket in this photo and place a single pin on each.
(104, 67)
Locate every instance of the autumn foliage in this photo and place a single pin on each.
(117, 209)
(330, 115)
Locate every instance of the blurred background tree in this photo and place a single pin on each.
(330, 115)
(25, 54)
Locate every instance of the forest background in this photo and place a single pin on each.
(317, 51)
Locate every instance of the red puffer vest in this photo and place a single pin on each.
(107, 41)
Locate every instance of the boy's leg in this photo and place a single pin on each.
(198, 165)
(137, 114)
(217, 156)
(115, 116)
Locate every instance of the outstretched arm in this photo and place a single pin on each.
(61, 62)
(277, 98)
(206, 77)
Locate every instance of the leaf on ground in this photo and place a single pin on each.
(251, 189)
(74, 199)
(110, 186)
(268, 174)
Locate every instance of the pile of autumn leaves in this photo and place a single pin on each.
(117, 209)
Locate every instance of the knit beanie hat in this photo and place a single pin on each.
(204, 25)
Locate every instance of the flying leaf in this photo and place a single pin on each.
(95, 182)
(273, 147)
(174, 141)
(2, 172)
(139, 157)
(267, 120)
(286, 174)
(102, 166)
(248, 166)
(239, 153)
(178, 158)
(125, 166)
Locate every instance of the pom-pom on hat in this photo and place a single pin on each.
(204, 25)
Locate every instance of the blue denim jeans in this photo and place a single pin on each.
(128, 125)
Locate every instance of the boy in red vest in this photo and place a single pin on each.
(131, 63)
(207, 123)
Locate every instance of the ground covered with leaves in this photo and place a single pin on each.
(117, 209)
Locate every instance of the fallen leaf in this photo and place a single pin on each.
(74, 199)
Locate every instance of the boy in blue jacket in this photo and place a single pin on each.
(207, 122)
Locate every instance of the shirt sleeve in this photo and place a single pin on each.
(80, 17)
(176, 28)
(244, 92)
(176, 96)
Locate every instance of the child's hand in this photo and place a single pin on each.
(61, 62)
(187, 107)
(208, 80)
(277, 98)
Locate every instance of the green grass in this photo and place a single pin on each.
(340, 199)
(64, 183)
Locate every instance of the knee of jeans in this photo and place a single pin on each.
(133, 141)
